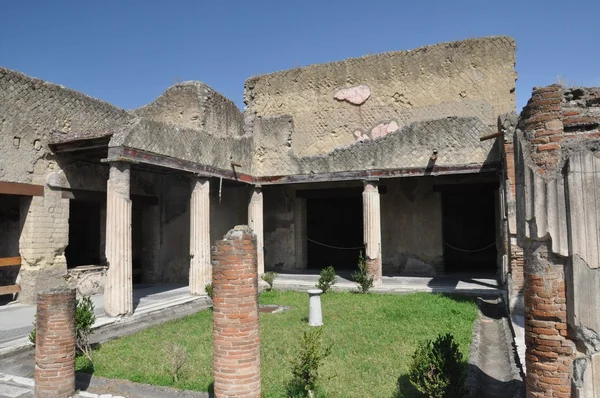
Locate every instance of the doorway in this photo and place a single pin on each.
(469, 228)
(334, 228)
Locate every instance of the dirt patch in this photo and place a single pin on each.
(272, 308)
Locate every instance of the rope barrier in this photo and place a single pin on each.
(335, 247)
(470, 251)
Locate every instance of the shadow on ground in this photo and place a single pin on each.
(487, 386)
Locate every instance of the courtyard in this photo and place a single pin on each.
(373, 337)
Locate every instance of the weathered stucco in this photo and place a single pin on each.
(295, 115)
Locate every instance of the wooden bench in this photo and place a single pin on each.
(10, 262)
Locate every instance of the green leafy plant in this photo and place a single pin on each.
(327, 279)
(361, 277)
(208, 288)
(84, 320)
(269, 277)
(32, 334)
(306, 364)
(436, 368)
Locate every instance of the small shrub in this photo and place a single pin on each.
(84, 320)
(176, 356)
(327, 279)
(32, 334)
(305, 366)
(208, 288)
(436, 368)
(361, 277)
(269, 277)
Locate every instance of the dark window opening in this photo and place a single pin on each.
(334, 224)
(85, 233)
(469, 228)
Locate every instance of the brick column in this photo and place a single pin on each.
(55, 345)
(549, 353)
(236, 339)
(372, 229)
(255, 222)
(118, 292)
(200, 267)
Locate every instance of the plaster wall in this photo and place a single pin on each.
(313, 118)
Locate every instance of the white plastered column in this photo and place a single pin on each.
(200, 265)
(372, 229)
(255, 222)
(118, 292)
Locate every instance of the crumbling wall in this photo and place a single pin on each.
(558, 220)
(31, 109)
(194, 105)
(300, 118)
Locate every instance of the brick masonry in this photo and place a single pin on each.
(236, 339)
(550, 353)
(559, 127)
(55, 345)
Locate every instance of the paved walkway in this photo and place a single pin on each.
(16, 320)
(492, 364)
(458, 283)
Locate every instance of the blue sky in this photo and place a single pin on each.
(129, 52)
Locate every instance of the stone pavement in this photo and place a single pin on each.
(456, 283)
(16, 320)
(96, 387)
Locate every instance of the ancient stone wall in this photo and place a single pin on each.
(32, 109)
(194, 105)
(558, 219)
(382, 111)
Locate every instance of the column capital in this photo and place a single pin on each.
(371, 184)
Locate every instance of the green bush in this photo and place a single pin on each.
(208, 288)
(306, 364)
(361, 277)
(436, 368)
(84, 320)
(269, 277)
(327, 279)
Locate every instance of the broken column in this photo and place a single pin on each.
(200, 267)
(236, 339)
(55, 344)
(558, 212)
(372, 229)
(255, 222)
(118, 292)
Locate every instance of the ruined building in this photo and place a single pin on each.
(417, 158)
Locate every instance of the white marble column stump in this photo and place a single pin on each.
(200, 265)
(118, 292)
(372, 229)
(255, 222)
(315, 315)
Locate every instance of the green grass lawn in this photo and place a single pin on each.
(373, 336)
